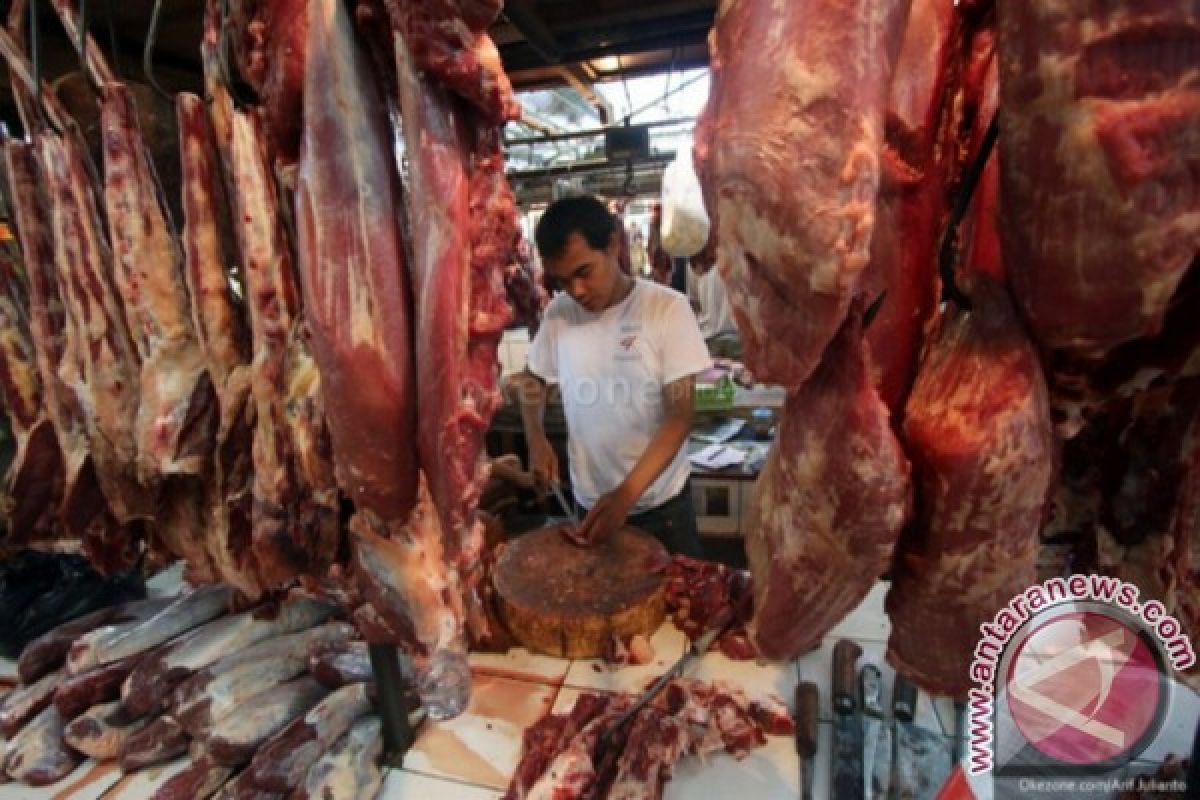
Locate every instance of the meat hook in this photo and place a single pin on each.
(948, 250)
(35, 52)
(148, 51)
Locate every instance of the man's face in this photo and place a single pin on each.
(587, 274)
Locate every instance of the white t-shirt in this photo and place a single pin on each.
(714, 314)
(611, 368)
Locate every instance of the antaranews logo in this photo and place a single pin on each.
(1072, 681)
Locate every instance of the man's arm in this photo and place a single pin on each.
(531, 395)
(610, 511)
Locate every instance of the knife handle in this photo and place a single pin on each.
(904, 699)
(806, 719)
(845, 659)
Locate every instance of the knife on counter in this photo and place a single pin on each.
(877, 736)
(847, 723)
(806, 732)
(923, 758)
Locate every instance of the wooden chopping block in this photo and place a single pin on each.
(569, 601)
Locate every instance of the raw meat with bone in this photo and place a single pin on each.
(1100, 162)
(788, 148)
(462, 220)
(288, 538)
(828, 505)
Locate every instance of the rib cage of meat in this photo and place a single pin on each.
(788, 149)
(1100, 138)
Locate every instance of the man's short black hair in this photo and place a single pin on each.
(584, 215)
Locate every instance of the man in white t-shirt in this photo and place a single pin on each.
(625, 353)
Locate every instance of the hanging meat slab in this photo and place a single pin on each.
(1100, 146)
(828, 505)
(789, 149)
(977, 428)
(357, 301)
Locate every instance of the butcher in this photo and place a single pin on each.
(624, 353)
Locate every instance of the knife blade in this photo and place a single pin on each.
(806, 731)
(871, 696)
(922, 760)
(723, 621)
(567, 507)
(847, 724)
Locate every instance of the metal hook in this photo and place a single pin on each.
(148, 51)
(35, 52)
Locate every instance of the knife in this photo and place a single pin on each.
(806, 731)
(567, 507)
(923, 760)
(847, 724)
(723, 621)
(876, 737)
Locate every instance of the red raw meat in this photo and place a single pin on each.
(828, 505)
(789, 151)
(977, 427)
(1100, 145)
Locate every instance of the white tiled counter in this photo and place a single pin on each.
(472, 756)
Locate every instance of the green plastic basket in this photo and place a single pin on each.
(715, 396)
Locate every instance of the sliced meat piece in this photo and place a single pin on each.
(161, 740)
(199, 781)
(77, 693)
(282, 763)
(112, 643)
(48, 650)
(151, 682)
(1100, 166)
(350, 768)
(828, 506)
(37, 755)
(25, 702)
(235, 737)
(340, 664)
(978, 429)
(101, 732)
(789, 150)
(214, 693)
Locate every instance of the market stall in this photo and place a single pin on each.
(404, 398)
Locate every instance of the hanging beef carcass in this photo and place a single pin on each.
(789, 151)
(977, 428)
(917, 160)
(290, 537)
(33, 484)
(1100, 137)
(828, 504)
(358, 305)
(463, 225)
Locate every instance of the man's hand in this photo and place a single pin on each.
(606, 517)
(543, 463)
